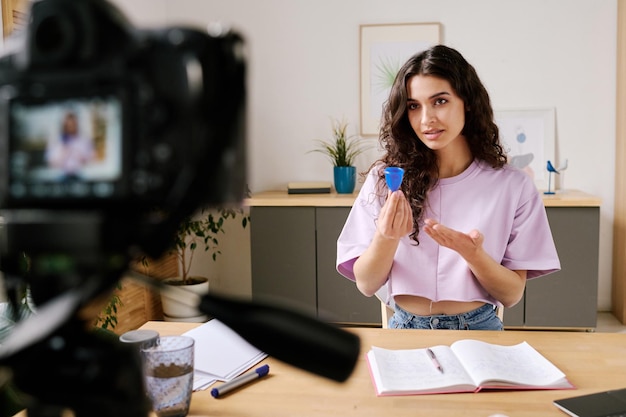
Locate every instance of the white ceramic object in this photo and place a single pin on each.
(173, 308)
(203, 318)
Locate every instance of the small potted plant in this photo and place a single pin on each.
(193, 233)
(342, 150)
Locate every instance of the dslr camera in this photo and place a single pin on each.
(110, 136)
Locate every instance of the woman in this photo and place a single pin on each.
(466, 230)
(70, 152)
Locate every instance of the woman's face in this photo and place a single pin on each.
(70, 125)
(436, 113)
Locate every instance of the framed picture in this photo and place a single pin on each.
(384, 49)
(528, 138)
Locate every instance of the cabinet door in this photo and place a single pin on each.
(568, 298)
(338, 299)
(283, 256)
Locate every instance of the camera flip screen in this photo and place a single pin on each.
(65, 149)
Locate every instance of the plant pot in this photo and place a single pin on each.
(175, 309)
(345, 179)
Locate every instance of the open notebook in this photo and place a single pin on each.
(465, 366)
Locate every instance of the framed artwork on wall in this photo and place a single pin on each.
(528, 136)
(383, 50)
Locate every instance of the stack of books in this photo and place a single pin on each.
(318, 187)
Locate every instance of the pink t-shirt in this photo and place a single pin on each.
(503, 204)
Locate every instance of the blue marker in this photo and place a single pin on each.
(393, 177)
(240, 380)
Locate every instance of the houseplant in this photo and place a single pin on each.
(107, 319)
(196, 232)
(342, 150)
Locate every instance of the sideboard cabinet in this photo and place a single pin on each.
(293, 249)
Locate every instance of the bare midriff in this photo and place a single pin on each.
(421, 306)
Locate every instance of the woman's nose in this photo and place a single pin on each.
(428, 117)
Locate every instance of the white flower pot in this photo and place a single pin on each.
(177, 309)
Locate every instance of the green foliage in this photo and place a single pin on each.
(203, 230)
(193, 233)
(10, 402)
(342, 149)
(10, 399)
(11, 315)
(385, 74)
(107, 320)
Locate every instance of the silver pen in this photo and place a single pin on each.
(240, 380)
(434, 359)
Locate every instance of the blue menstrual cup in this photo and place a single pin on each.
(393, 176)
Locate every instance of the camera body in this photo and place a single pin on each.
(110, 136)
(98, 118)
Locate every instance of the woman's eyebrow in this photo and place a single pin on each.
(442, 93)
(439, 94)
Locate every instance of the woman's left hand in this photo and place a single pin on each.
(466, 244)
(503, 284)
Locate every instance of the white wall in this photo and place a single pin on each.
(304, 69)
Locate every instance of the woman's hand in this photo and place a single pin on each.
(466, 244)
(396, 217)
(394, 222)
(503, 284)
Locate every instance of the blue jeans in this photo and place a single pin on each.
(482, 318)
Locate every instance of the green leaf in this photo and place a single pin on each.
(341, 150)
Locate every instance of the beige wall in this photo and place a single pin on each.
(304, 68)
(526, 52)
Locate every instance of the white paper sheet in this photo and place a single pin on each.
(220, 354)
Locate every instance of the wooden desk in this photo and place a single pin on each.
(592, 361)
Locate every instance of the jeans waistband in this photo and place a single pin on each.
(481, 318)
(466, 316)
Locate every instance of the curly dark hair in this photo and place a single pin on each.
(402, 145)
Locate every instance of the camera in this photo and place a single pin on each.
(162, 111)
(110, 136)
(158, 111)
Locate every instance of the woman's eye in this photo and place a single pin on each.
(412, 106)
(440, 101)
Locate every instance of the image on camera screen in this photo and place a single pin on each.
(65, 149)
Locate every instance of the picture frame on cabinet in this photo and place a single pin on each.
(528, 137)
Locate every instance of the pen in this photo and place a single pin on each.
(240, 380)
(434, 359)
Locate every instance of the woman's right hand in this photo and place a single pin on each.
(396, 217)
(394, 222)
